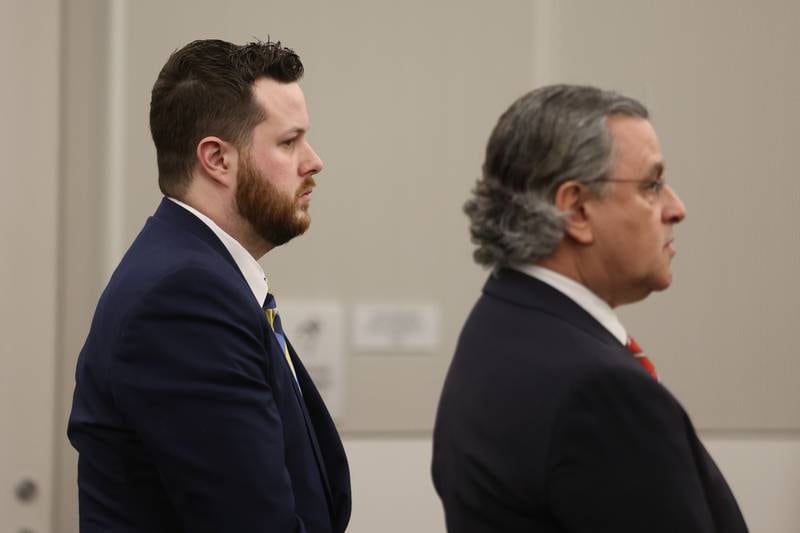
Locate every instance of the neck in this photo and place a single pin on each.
(571, 263)
(222, 211)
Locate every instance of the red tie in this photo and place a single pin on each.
(636, 350)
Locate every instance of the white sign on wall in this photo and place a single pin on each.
(401, 326)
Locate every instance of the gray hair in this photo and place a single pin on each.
(547, 137)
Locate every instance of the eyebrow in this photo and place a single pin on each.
(296, 130)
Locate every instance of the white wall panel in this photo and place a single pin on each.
(29, 148)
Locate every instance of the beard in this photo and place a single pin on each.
(275, 216)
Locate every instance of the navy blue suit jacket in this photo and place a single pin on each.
(185, 414)
(548, 424)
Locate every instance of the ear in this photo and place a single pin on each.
(218, 160)
(571, 198)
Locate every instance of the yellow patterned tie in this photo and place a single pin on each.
(274, 321)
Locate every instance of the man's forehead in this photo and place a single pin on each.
(280, 98)
(635, 138)
(268, 88)
(634, 133)
(630, 126)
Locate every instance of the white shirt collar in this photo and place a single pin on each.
(589, 301)
(249, 267)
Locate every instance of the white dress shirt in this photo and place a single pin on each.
(589, 301)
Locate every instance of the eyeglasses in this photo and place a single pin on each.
(652, 188)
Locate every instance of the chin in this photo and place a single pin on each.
(663, 282)
(304, 219)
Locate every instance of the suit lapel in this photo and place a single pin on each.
(308, 398)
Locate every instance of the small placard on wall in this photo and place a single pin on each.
(396, 326)
(316, 330)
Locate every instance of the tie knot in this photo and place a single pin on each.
(633, 346)
(274, 321)
(269, 302)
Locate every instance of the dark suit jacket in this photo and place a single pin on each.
(548, 424)
(185, 414)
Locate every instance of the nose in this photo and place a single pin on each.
(674, 210)
(312, 164)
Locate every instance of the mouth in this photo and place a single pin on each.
(304, 194)
(304, 197)
(670, 246)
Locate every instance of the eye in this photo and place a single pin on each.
(654, 186)
(288, 143)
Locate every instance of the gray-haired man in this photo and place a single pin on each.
(551, 418)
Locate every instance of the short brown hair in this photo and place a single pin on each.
(205, 88)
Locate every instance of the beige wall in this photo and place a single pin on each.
(29, 151)
(401, 122)
(84, 164)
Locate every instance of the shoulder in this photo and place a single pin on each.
(168, 266)
(158, 285)
(198, 289)
(191, 319)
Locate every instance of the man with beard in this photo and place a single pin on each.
(192, 412)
